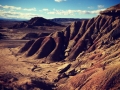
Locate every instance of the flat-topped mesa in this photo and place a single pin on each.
(86, 35)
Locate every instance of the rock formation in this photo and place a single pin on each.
(36, 21)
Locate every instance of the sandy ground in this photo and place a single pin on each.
(24, 68)
(10, 62)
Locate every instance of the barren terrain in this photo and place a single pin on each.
(82, 56)
(17, 66)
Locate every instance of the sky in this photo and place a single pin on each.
(26, 9)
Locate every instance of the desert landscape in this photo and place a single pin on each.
(41, 54)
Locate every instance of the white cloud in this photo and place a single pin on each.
(30, 9)
(90, 7)
(73, 12)
(45, 9)
(60, 0)
(10, 7)
(50, 12)
(64, 12)
(100, 6)
(11, 14)
(16, 12)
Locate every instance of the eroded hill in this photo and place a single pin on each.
(36, 21)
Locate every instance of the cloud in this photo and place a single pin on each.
(12, 14)
(16, 12)
(10, 7)
(73, 12)
(60, 0)
(45, 9)
(30, 9)
(100, 6)
(50, 12)
(90, 7)
(61, 12)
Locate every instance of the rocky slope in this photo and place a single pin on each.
(90, 47)
(36, 21)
